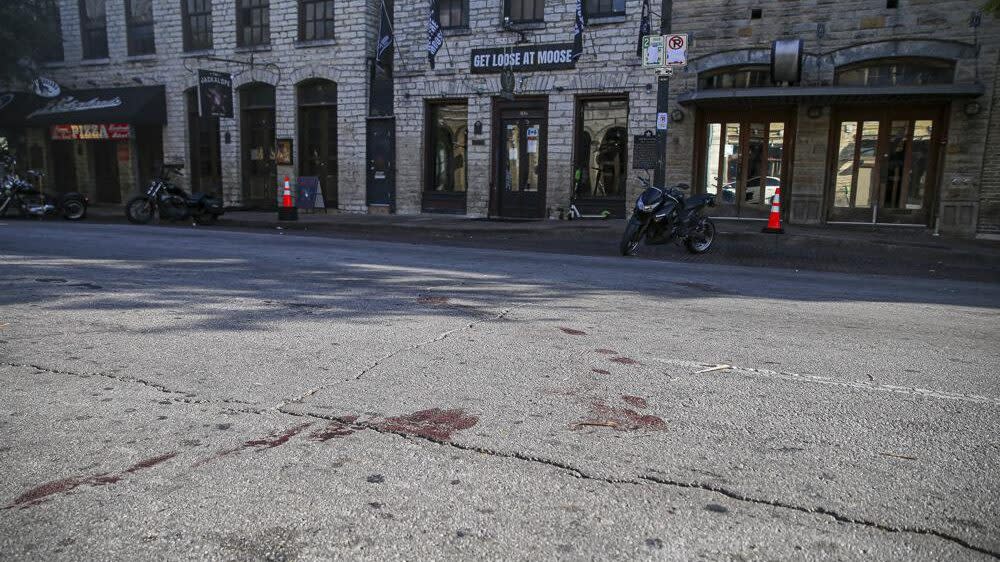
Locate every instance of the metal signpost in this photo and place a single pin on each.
(663, 53)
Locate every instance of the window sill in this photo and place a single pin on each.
(141, 58)
(606, 20)
(95, 62)
(55, 64)
(198, 53)
(456, 31)
(253, 49)
(524, 26)
(315, 43)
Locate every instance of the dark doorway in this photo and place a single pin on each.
(318, 135)
(601, 155)
(381, 184)
(519, 142)
(884, 168)
(105, 160)
(149, 145)
(258, 145)
(445, 159)
(63, 167)
(205, 149)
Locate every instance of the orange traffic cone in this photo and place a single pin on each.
(286, 197)
(774, 221)
(287, 211)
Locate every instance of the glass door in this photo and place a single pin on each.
(884, 167)
(743, 161)
(521, 148)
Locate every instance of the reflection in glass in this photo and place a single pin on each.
(919, 161)
(713, 141)
(448, 126)
(533, 141)
(756, 164)
(866, 164)
(775, 156)
(844, 181)
(602, 148)
(895, 164)
(512, 180)
(732, 163)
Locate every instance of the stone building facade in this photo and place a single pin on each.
(894, 118)
(283, 61)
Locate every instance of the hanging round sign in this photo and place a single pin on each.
(507, 80)
(45, 87)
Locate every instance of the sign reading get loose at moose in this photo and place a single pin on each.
(552, 56)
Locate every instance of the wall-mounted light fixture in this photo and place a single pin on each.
(477, 128)
(814, 111)
(676, 116)
(972, 108)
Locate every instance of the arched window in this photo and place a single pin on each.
(755, 76)
(897, 72)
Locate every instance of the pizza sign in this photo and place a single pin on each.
(96, 131)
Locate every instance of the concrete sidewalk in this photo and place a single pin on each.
(891, 250)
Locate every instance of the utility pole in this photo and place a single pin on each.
(662, 99)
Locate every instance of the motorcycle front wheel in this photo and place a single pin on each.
(139, 210)
(702, 236)
(73, 209)
(631, 237)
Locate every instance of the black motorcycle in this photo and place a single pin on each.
(20, 195)
(171, 202)
(664, 215)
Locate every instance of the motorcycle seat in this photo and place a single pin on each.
(696, 201)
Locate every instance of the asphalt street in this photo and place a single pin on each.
(178, 393)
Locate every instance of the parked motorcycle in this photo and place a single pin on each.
(664, 215)
(171, 202)
(20, 194)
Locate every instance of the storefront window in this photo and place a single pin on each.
(735, 77)
(315, 20)
(522, 11)
(139, 17)
(197, 25)
(601, 152)
(253, 23)
(94, 29)
(453, 13)
(913, 72)
(447, 126)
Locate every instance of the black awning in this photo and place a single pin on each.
(830, 94)
(146, 105)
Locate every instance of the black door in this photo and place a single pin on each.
(63, 167)
(105, 154)
(318, 148)
(206, 149)
(520, 142)
(381, 183)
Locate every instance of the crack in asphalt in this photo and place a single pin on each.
(375, 364)
(186, 397)
(641, 479)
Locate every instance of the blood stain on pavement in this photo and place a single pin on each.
(41, 493)
(572, 332)
(603, 351)
(434, 424)
(276, 440)
(625, 361)
(150, 462)
(331, 431)
(636, 401)
(601, 371)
